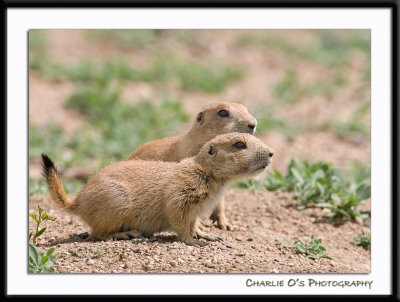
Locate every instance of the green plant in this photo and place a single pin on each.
(324, 186)
(42, 216)
(41, 262)
(313, 250)
(99, 251)
(363, 240)
(248, 184)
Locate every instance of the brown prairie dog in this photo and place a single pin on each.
(135, 197)
(212, 120)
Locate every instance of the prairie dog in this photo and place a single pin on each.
(212, 120)
(129, 198)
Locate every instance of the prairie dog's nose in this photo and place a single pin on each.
(271, 153)
(252, 126)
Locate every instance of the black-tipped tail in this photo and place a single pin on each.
(47, 166)
(54, 185)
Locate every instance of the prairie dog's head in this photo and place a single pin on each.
(235, 155)
(225, 117)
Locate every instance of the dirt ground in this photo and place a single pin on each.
(263, 221)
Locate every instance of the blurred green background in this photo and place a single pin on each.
(96, 95)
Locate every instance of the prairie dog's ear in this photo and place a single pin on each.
(211, 151)
(200, 118)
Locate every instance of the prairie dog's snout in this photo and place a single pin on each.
(264, 156)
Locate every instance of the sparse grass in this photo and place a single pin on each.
(334, 47)
(45, 137)
(208, 79)
(313, 250)
(116, 127)
(363, 240)
(270, 41)
(120, 127)
(328, 47)
(354, 124)
(37, 186)
(127, 38)
(290, 90)
(190, 76)
(42, 216)
(269, 120)
(323, 186)
(326, 88)
(37, 41)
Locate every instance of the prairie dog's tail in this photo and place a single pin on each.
(54, 186)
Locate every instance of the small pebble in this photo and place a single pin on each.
(275, 271)
(90, 262)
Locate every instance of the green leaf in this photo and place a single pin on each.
(33, 254)
(297, 175)
(33, 216)
(324, 205)
(40, 232)
(363, 191)
(335, 197)
(50, 251)
(44, 259)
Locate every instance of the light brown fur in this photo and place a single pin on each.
(207, 125)
(135, 197)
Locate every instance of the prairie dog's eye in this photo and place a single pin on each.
(223, 113)
(240, 145)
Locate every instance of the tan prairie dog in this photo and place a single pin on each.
(137, 197)
(212, 120)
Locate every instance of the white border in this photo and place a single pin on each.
(19, 21)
